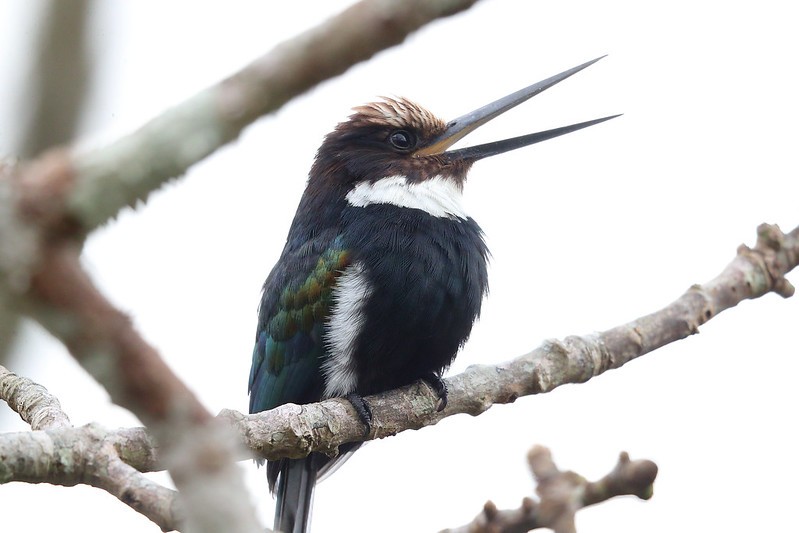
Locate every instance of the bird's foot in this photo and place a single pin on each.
(363, 410)
(439, 387)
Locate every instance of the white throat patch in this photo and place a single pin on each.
(440, 197)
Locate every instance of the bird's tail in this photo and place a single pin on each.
(294, 495)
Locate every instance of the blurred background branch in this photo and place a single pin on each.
(60, 77)
(56, 93)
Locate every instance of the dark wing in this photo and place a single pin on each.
(289, 343)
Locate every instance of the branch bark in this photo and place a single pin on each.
(57, 453)
(34, 403)
(89, 455)
(561, 494)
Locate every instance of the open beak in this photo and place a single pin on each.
(462, 126)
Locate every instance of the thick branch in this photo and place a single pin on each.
(87, 455)
(110, 460)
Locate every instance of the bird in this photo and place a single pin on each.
(383, 272)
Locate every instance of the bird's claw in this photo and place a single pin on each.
(439, 387)
(362, 409)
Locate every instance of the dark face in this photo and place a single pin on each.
(381, 140)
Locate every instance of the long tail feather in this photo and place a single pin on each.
(295, 495)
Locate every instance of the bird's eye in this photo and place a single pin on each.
(402, 140)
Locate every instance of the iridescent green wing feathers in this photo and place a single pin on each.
(289, 343)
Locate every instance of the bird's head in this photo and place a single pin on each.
(399, 141)
(384, 139)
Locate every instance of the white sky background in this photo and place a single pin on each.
(587, 231)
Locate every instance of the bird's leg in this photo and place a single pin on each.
(439, 387)
(363, 410)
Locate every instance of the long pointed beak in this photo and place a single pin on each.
(462, 126)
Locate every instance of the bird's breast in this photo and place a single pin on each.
(408, 301)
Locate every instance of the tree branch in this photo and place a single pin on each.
(57, 453)
(55, 95)
(294, 431)
(87, 455)
(34, 403)
(60, 77)
(562, 494)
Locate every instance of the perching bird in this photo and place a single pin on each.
(382, 274)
